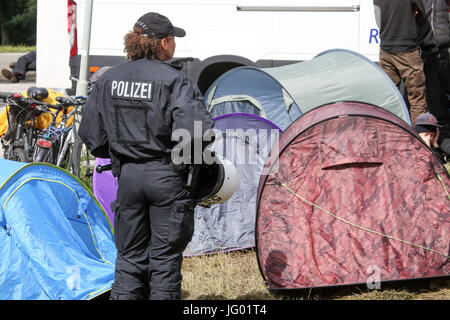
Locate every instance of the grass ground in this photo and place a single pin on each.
(235, 276)
(223, 276)
(24, 49)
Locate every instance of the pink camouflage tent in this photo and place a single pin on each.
(351, 190)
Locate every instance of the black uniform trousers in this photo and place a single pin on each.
(153, 223)
(437, 73)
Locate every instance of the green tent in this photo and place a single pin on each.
(339, 75)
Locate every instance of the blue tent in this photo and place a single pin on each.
(253, 91)
(55, 240)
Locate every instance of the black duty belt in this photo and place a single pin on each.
(164, 159)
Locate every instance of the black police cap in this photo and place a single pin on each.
(158, 26)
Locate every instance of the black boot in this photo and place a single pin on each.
(11, 76)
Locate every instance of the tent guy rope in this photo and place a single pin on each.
(281, 184)
(443, 185)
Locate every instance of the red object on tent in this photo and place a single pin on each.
(353, 196)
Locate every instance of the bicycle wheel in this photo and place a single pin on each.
(18, 154)
(66, 159)
(42, 155)
(63, 155)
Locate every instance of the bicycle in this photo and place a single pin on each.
(20, 137)
(68, 149)
(52, 145)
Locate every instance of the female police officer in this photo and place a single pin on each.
(130, 116)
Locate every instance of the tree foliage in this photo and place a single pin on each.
(18, 22)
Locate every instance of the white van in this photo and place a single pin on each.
(221, 34)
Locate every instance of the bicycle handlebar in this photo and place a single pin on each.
(76, 101)
(22, 101)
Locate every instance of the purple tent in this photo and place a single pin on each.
(104, 186)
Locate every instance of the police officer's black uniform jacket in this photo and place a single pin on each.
(135, 106)
(131, 114)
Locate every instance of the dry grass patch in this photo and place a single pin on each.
(410, 293)
(231, 275)
(235, 276)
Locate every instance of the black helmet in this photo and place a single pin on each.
(37, 93)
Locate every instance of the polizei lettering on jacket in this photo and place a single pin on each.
(131, 90)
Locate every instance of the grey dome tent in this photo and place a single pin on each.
(282, 94)
(245, 140)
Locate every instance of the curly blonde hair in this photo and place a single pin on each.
(139, 45)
